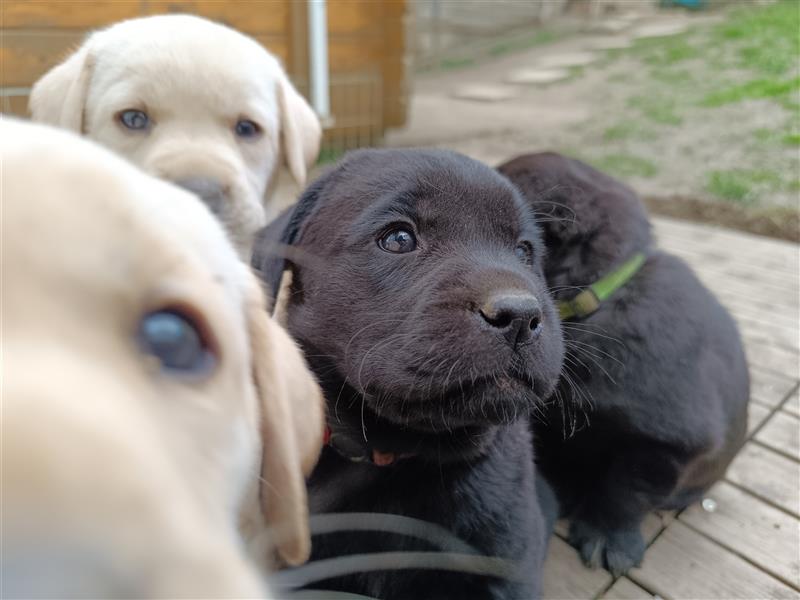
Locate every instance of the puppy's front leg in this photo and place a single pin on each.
(606, 528)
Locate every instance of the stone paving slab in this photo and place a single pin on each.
(482, 92)
(537, 76)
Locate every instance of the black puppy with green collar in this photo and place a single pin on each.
(655, 373)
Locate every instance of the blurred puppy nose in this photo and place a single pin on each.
(210, 191)
(518, 316)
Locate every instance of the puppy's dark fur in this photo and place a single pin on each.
(659, 368)
(411, 367)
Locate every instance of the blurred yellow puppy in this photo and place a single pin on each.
(145, 391)
(190, 101)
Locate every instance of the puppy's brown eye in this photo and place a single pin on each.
(398, 241)
(177, 341)
(134, 119)
(247, 129)
(524, 252)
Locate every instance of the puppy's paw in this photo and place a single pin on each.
(618, 550)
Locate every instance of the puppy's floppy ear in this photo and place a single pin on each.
(301, 131)
(291, 429)
(269, 249)
(59, 97)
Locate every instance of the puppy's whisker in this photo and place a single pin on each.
(595, 361)
(572, 326)
(593, 349)
(584, 393)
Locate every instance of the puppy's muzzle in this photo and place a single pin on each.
(211, 191)
(517, 316)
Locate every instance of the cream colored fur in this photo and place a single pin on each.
(121, 479)
(195, 79)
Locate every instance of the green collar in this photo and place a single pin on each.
(588, 301)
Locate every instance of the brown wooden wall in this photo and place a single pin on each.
(366, 40)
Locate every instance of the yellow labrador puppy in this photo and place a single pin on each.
(190, 101)
(151, 409)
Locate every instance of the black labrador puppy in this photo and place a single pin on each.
(655, 360)
(419, 299)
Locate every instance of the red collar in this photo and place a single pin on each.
(376, 457)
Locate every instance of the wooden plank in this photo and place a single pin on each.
(654, 523)
(715, 236)
(767, 474)
(767, 536)
(625, 589)
(16, 105)
(762, 309)
(565, 577)
(27, 55)
(684, 564)
(773, 359)
(782, 432)
(781, 289)
(769, 388)
(354, 54)
(772, 263)
(66, 14)
(756, 415)
(354, 17)
(252, 16)
(278, 45)
(787, 338)
(793, 404)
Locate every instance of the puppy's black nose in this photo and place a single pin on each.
(518, 316)
(210, 191)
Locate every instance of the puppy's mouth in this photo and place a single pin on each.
(492, 399)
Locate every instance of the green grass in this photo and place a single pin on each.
(626, 165)
(658, 108)
(676, 77)
(626, 130)
(753, 89)
(740, 185)
(529, 41)
(791, 139)
(766, 36)
(670, 51)
(449, 64)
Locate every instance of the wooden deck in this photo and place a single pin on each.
(749, 546)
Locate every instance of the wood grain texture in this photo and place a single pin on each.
(566, 578)
(27, 55)
(765, 535)
(767, 474)
(249, 16)
(66, 14)
(756, 415)
(793, 404)
(769, 388)
(625, 589)
(15, 105)
(684, 564)
(782, 432)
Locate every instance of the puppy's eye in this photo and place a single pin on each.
(524, 252)
(176, 341)
(398, 241)
(247, 129)
(134, 119)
